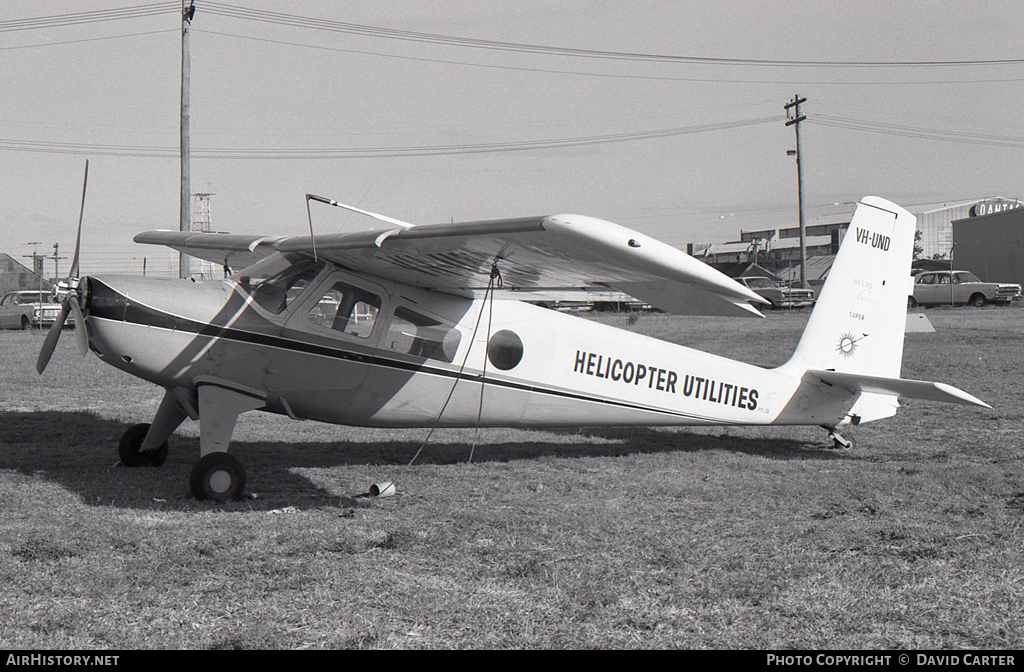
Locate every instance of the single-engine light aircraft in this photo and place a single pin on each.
(432, 325)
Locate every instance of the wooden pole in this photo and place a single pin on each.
(794, 120)
(185, 223)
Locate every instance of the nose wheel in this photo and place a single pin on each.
(217, 476)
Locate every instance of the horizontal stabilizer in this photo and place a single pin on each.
(910, 389)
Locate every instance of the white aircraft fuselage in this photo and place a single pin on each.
(526, 366)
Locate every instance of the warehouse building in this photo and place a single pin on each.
(991, 244)
(936, 225)
(995, 217)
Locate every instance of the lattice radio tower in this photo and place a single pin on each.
(200, 268)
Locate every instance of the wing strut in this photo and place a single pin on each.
(309, 214)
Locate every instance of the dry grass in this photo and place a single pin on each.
(634, 538)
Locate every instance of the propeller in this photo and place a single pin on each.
(68, 293)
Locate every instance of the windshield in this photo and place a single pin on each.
(275, 293)
(32, 297)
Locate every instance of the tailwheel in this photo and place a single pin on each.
(128, 448)
(838, 441)
(217, 476)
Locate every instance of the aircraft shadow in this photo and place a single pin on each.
(78, 451)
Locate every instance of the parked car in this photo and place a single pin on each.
(933, 288)
(24, 309)
(780, 295)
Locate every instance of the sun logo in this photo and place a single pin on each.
(847, 345)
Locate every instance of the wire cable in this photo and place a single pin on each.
(458, 377)
(960, 137)
(138, 151)
(81, 18)
(277, 18)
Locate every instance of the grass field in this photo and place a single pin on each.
(633, 538)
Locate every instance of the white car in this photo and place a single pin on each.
(933, 288)
(28, 308)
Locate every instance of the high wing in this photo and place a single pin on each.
(230, 250)
(570, 253)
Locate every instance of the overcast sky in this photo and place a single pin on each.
(919, 102)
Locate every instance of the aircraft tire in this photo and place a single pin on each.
(217, 476)
(130, 443)
(844, 444)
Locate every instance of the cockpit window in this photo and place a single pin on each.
(421, 336)
(347, 309)
(277, 292)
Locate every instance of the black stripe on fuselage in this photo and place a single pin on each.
(122, 309)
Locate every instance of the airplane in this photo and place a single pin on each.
(432, 326)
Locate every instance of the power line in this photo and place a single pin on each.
(368, 152)
(80, 18)
(320, 24)
(87, 39)
(242, 153)
(912, 132)
(277, 18)
(606, 75)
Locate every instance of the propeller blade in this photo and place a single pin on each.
(52, 337)
(70, 302)
(81, 338)
(81, 214)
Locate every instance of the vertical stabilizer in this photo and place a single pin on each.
(858, 321)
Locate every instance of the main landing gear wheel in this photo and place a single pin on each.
(217, 476)
(131, 442)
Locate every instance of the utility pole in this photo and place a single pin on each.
(56, 260)
(793, 118)
(37, 262)
(185, 223)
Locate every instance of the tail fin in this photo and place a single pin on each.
(858, 322)
(854, 338)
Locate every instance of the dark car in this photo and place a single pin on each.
(778, 294)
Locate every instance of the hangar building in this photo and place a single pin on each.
(936, 225)
(988, 235)
(991, 245)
